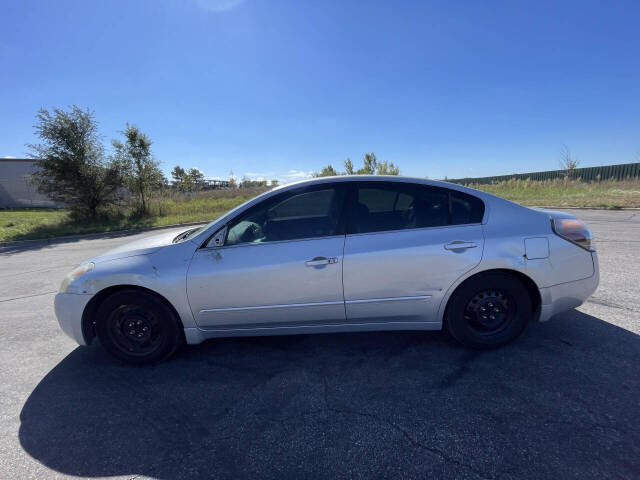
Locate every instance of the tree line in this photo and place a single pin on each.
(193, 179)
(370, 166)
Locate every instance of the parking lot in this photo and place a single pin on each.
(561, 402)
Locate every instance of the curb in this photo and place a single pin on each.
(600, 209)
(82, 236)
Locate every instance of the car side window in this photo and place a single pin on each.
(465, 208)
(297, 215)
(401, 206)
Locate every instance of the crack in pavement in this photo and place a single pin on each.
(28, 296)
(402, 431)
(606, 303)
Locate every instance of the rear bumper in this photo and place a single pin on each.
(565, 296)
(69, 308)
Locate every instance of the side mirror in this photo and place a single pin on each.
(218, 239)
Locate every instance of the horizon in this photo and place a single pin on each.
(278, 90)
(341, 173)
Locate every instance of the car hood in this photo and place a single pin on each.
(144, 246)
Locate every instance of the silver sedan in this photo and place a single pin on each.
(337, 254)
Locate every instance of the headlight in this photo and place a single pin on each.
(75, 273)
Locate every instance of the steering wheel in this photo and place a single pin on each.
(251, 233)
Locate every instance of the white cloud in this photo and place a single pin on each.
(260, 176)
(298, 174)
(290, 176)
(218, 5)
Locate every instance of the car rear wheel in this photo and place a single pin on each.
(488, 310)
(137, 327)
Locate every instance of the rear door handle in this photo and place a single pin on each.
(459, 245)
(317, 261)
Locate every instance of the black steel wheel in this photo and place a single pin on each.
(134, 330)
(488, 310)
(138, 327)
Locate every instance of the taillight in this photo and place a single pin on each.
(573, 230)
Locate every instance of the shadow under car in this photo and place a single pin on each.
(562, 401)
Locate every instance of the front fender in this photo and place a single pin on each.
(163, 272)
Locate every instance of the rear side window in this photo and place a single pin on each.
(465, 208)
(400, 206)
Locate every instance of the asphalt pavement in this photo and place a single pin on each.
(563, 401)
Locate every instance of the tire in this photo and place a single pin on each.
(138, 327)
(488, 310)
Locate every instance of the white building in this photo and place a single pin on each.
(16, 190)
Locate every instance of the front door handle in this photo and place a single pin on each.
(459, 245)
(318, 261)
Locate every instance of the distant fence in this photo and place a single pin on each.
(587, 174)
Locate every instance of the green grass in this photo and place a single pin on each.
(25, 224)
(15, 224)
(610, 194)
(29, 224)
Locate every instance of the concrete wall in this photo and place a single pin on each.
(15, 189)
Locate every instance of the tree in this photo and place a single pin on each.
(70, 160)
(181, 179)
(275, 182)
(187, 181)
(141, 171)
(177, 173)
(348, 166)
(568, 163)
(327, 171)
(370, 164)
(248, 183)
(387, 168)
(196, 178)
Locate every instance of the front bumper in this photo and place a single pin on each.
(565, 296)
(69, 308)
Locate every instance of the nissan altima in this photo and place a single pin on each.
(336, 254)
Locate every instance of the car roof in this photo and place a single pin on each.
(381, 178)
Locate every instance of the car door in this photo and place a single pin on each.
(405, 245)
(280, 264)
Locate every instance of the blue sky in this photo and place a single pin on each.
(277, 89)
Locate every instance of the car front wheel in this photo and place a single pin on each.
(488, 310)
(137, 327)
